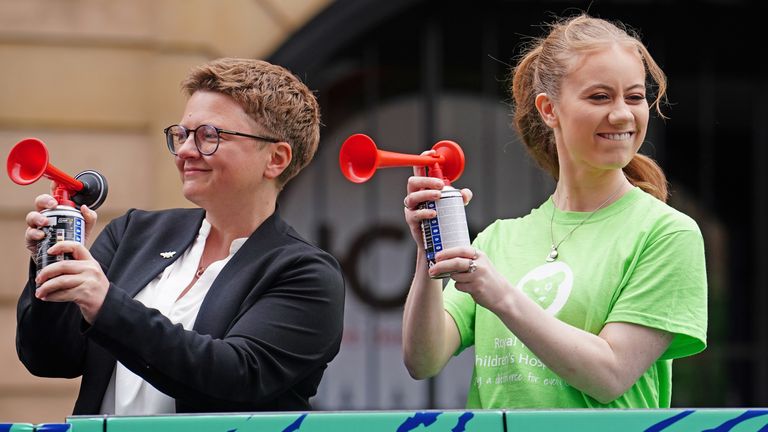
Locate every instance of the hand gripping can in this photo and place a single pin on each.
(446, 230)
(64, 223)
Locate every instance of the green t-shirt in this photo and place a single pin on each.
(636, 261)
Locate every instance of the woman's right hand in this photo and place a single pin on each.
(35, 220)
(421, 189)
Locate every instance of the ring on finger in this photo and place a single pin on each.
(472, 266)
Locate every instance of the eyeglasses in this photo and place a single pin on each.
(207, 138)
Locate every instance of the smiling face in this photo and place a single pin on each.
(236, 168)
(601, 115)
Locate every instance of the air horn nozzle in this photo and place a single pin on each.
(359, 159)
(28, 161)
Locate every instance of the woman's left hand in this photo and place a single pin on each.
(475, 275)
(79, 280)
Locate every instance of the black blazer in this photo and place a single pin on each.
(266, 330)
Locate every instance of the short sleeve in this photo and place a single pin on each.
(461, 306)
(667, 290)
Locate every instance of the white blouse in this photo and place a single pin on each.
(129, 394)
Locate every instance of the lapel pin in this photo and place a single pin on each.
(168, 255)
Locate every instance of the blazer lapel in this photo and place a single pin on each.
(238, 278)
(171, 240)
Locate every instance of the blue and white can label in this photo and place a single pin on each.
(64, 223)
(446, 230)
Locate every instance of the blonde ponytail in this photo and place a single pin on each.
(646, 174)
(537, 136)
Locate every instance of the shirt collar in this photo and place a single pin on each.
(205, 229)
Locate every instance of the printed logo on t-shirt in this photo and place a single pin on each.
(549, 285)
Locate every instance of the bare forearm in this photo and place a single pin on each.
(424, 342)
(603, 366)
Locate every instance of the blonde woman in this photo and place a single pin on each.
(585, 301)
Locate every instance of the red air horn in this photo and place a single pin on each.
(359, 159)
(28, 161)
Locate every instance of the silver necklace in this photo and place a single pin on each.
(552, 256)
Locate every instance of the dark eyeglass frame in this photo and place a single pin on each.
(169, 140)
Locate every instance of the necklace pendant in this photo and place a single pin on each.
(200, 272)
(552, 254)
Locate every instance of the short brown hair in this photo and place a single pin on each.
(271, 95)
